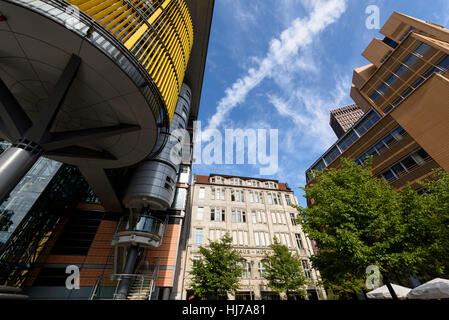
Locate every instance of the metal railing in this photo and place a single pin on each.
(145, 286)
(139, 277)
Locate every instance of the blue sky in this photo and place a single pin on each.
(283, 65)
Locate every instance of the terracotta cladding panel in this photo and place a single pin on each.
(99, 260)
(422, 114)
(103, 237)
(99, 252)
(100, 244)
(65, 259)
(165, 261)
(164, 278)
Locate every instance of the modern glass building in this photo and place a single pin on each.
(404, 93)
(90, 95)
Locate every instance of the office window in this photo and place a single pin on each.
(270, 199)
(283, 218)
(279, 199)
(212, 194)
(217, 214)
(254, 216)
(198, 236)
(246, 268)
(421, 49)
(251, 197)
(256, 239)
(444, 63)
(267, 239)
(234, 238)
(238, 216)
(374, 96)
(283, 239)
(202, 193)
(347, 140)
(287, 200)
(408, 162)
(262, 239)
(299, 241)
(293, 219)
(273, 217)
(199, 213)
(388, 175)
(287, 239)
(307, 268)
(411, 60)
(331, 155)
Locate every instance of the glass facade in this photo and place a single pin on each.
(24, 195)
(364, 124)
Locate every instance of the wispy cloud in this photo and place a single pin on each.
(282, 50)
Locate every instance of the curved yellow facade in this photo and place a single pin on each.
(159, 33)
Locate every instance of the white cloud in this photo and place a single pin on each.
(281, 52)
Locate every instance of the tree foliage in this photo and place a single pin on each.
(284, 271)
(360, 220)
(218, 270)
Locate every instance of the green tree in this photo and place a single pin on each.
(218, 270)
(356, 220)
(435, 231)
(284, 272)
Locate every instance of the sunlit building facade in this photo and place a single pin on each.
(404, 93)
(252, 211)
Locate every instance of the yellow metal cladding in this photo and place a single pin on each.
(159, 33)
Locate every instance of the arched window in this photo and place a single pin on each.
(246, 268)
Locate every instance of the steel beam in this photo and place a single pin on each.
(70, 138)
(14, 118)
(44, 122)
